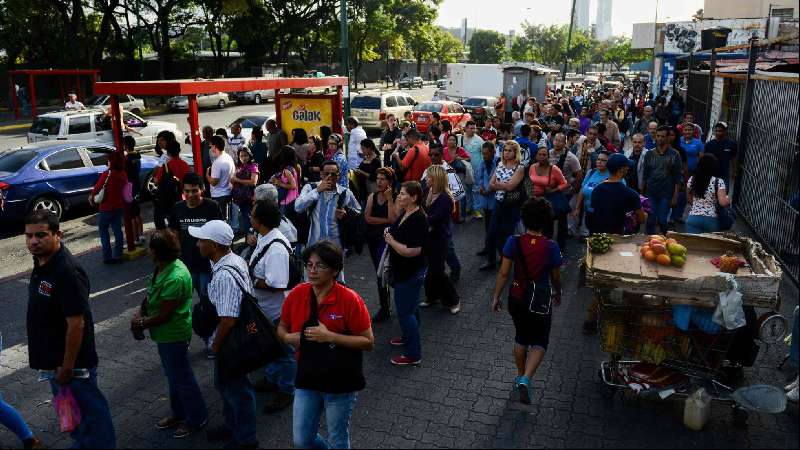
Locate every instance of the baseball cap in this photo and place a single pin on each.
(722, 125)
(214, 230)
(618, 161)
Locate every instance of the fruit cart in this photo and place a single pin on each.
(656, 298)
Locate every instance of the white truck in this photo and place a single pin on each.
(472, 80)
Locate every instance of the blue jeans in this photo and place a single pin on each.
(234, 215)
(238, 407)
(677, 211)
(11, 419)
(468, 202)
(96, 429)
(659, 216)
(307, 411)
(185, 397)
(701, 224)
(113, 219)
(406, 301)
(282, 371)
(452, 258)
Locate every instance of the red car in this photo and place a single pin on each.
(452, 111)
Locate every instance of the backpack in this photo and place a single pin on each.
(169, 189)
(301, 220)
(296, 266)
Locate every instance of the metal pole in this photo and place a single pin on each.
(194, 129)
(743, 127)
(139, 33)
(344, 54)
(710, 91)
(569, 42)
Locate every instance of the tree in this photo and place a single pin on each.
(486, 47)
(547, 43)
(446, 47)
(521, 50)
(163, 21)
(421, 44)
(698, 16)
(620, 53)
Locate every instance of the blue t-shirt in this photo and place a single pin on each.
(693, 150)
(541, 255)
(649, 142)
(592, 180)
(612, 201)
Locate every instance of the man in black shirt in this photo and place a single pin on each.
(726, 151)
(389, 139)
(612, 200)
(61, 330)
(195, 211)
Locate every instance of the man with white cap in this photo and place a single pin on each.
(230, 275)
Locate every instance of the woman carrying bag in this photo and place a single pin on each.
(108, 196)
(548, 182)
(329, 326)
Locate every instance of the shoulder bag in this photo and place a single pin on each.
(518, 195)
(557, 200)
(101, 194)
(326, 367)
(296, 266)
(252, 342)
(725, 215)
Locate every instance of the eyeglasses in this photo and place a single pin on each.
(318, 266)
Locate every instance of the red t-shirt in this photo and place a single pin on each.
(177, 167)
(343, 311)
(415, 165)
(112, 198)
(460, 152)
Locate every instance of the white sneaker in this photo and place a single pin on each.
(792, 395)
(424, 304)
(455, 309)
(789, 387)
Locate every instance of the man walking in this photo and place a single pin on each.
(219, 176)
(230, 276)
(612, 130)
(725, 150)
(61, 329)
(357, 134)
(640, 127)
(662, 174)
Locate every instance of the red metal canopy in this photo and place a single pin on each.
(205, 86)
(33, 73)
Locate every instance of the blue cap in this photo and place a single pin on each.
(618, 161)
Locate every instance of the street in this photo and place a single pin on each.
(461, 396)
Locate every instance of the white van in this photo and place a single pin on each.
(372, 108)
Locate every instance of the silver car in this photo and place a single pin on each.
(213, 100)
(127, 102)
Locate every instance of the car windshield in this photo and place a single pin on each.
(475, 102)
(13, 160)
(251, 121)
(51, 124)
(366, 102)
(97, 100)
(429, 107)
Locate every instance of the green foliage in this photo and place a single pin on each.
(486, 47)
(620, 53)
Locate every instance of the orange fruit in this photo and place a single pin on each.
(650, 255)
(664, 260)
(671, 241)
(644, 249)
(660, 249)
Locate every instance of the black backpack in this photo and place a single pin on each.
(169, 189)
(296, 266)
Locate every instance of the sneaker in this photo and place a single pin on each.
(382, 315)
(397, 342)
(168, 422)
(424, 304)
(278, 403)
(265, 387)
(185, 430)
(792, 395)
(219, 434)
(516, 382)
(404, 360)
(455, 309)
(789, 387)
(210, 355)
(477, 216)
(524, 390)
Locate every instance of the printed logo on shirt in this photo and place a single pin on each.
(334, 316)
(45, 289)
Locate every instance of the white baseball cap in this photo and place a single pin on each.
(215, 230)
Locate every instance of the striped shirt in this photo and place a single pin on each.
(235, 143)
(323, 215)
(223, 290)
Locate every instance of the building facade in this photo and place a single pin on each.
(748, 9)
(582, 22)
(603, 21)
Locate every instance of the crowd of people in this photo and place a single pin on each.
(556, 172)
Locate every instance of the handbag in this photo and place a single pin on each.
(252, 342)
(325, 367)
(127, 192)
(725, 215)
(384, 272)
(518, 195)
(558, 201)
(536, 295)
(204, 318)
(469, 174)
(101, 194)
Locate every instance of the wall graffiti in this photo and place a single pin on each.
(684, 37)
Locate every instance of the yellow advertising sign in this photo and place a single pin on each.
(307, 113)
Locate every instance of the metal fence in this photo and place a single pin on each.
(762, 111)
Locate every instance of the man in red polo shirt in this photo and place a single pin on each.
(416, 159)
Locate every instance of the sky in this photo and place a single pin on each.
(505, 15)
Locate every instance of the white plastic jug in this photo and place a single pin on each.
(697, 410)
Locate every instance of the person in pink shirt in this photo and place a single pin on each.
(548, 181)
(453, 151)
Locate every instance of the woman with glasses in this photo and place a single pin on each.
(406, 238)
(329, 325)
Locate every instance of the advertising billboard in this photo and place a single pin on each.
(684, 37)
(309, 112)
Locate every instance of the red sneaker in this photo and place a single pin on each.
(397, 342)
(404, 360)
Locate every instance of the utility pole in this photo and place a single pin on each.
(139, 29)
(569, 42)
(344, 55)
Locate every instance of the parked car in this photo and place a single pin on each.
(55, 176)
(442, 83)
(481, 108)
(213, 100)
(251, 121)
(372, 108)
(256, 97)
(411, 82)
(94, 125)
(127, 102)
(590, 81)
(452, 111)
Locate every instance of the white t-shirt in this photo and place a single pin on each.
(354, 160)
(223, 170)
(73, 105)
(273, 268)
(235, 143)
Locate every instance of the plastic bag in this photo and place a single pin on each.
(697, 410)
(729, 312)
(67, 410)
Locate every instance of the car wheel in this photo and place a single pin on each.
(308, 91)
(257, 99)
(149, 185)
(221, 104)
(49, 204)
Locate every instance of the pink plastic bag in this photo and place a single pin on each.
(127, 192)
(67, 410)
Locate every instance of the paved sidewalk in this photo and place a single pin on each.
(460, 397)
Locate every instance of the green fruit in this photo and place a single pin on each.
(678, 260)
